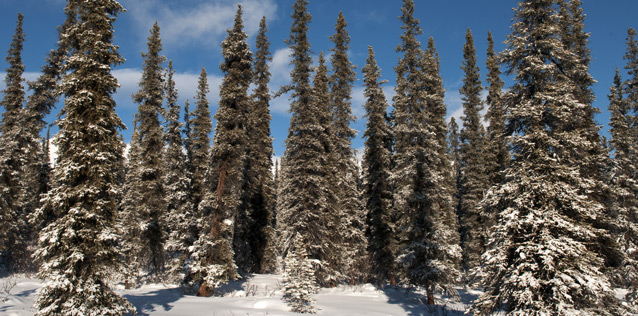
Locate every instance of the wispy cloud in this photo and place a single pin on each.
(204, 22)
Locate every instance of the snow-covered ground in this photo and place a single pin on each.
(256, 295)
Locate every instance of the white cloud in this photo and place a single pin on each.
(204, 23)
(186, 84)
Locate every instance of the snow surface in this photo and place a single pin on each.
(254, 295)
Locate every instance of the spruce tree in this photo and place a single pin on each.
(473, 174)
(376, 164)
(198, 129)
(78, 250)
(429, 251)
(498, 153)
(260, 188)
(353, 261)
(221, 206)
(543, 257)
(626, 163)
(150, 209)
(624, 204)
(181, 220)
(307, 204)
(14, 206)
(299, 279)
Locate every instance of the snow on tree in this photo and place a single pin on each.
(259, 191)
(429, 252)
(148, 209)
(497, 150)
(14, 162)
(198, 128)
(624, 204)
(221, 206)
(299, 279)
(307, 204)
(77, 250)
(473, 174)
(377, 193)
(180, 216)
(354, 261)
(543, 256)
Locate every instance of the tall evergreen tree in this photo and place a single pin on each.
(353, 257)
(150, 209)
(474, 180)
(13, 161)
(543, 256)
(198, 129)
(497, 145)
(421, 176)
(181, 220)
(307, 204)
(78, 249)
(222, 203)
(631, 56)
(259, 189)
(376, 164)
(623, 182)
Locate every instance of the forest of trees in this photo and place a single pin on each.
(529, 203)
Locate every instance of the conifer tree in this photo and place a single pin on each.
(198, 129)
(474, 180)
(259, 193)
(14, 193)
(543, 257)
(222, 203)
(626, 184)
(353, 257)
(307, 204)
(623, 183)
(498, 153)
(78, 249)
(377, 193)
(299, 279)
(429, 251)
(181, 220)
(150, 209)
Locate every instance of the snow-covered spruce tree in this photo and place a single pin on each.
(198, 128)
(376, 164)
(78, 250)
(299, 279)
(16, 233)
(543, 257)
(259, 192)
(354, 261)
(624, 204)
(127, 220)
(180, 218)
(474, 182)
(221, 206)
(497, 150)
(429, 252)
(307, 204)
(149, 211)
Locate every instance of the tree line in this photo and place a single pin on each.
(529, 203)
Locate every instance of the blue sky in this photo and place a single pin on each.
(192, 31)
